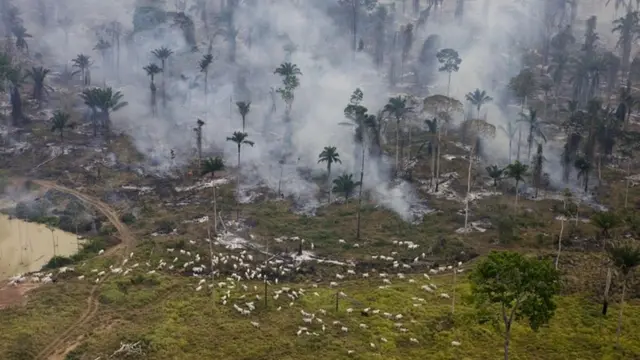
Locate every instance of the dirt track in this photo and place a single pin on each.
(57, 348)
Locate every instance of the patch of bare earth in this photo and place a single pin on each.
(13, 295)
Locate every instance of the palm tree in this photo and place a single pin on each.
(243, 109)
(198, 131)
(89, 96)
(432, 130)
(517, 171)
(15, 77)
(584, 168)
(21, 35)
(40, 89)
(397, 107)
(477, 98)
(536, 171)
(535, 129)
(83, 62)
(204, 64)
(345, 185)
(605, 221)
(523, 85)
(108, 101)
(627, 27)
(163, 53)
(103, 47)
(60, 122)
(287, 69)
(495, 173)
(510, 131)
(152, 70)
(212, 165)
(329, 155)
(240, 138)
(289, 73)
(625, 257)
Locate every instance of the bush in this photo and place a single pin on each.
(128, 218)
(57, 262)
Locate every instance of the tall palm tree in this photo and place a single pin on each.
(203, 65)
(397, 107)
(583, 166)
(523, 85)
(108, 101)
(625, 256)
(477, 98)
(495, 173)
(517, 171)
(329, 155)
(240, 138)
(243, 109)
(288, 69)
(59, 122)
(511, 130)
(153, 70)
(345, 185)
(535, 129)
(83, 62)
(38, 75)
(606, 221)
(163, 53)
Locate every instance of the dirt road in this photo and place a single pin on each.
(56, 350)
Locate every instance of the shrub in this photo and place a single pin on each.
(57, 262)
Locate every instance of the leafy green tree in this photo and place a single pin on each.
(345, 185)
(478, 98)
(495, 173)
(83, 62)
(60, 121)
(520, 287)
(450, 62)
(243, 109)
(606, 221)
(625, 256)
(103, 47)
(289, 73)
(517, 171)
(397, 107)
(330, 156)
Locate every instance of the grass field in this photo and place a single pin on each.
(173, 321)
